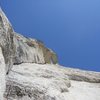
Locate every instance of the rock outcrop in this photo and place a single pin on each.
(29, 50)
(30, 71)
(6, 40)
(82, 75)
(19, 49)
(36, 82)
(2, 75)
(50, 82)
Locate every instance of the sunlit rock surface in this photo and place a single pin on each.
(29, 50)
(19, 49)
(2, 75)
(37, 82)
(82, 75)
(50, 82)
(32, 71)
(6, 40)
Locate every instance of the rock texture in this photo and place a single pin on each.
(2, 75)
(50, 82)
(18, 49)
(82, 75)
(29, 50)
(36, 82)
(32, 72)
(6, 40)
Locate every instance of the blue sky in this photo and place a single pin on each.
(70, 27)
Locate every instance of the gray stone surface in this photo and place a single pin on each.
(6, 40)
(36, 81)
(33, 72)
(19, 49)
(2, 75)
(50, 82)
(81, 75)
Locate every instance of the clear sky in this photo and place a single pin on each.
(70, 27)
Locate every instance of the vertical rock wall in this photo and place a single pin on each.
(19, 49)
(6, 40)
(2, 75)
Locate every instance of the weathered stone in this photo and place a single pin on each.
(19, 49)
(2, 75)
(36, 81)
(33, 72)
(50, 82)
(6, 40)
(82, 75)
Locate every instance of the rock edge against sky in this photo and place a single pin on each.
(32, 72)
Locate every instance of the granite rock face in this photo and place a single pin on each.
(6, 40)
(36, 82)
(2, 75)
(29, 50)
(29, 71)
(50, 82)
(19, 49)
(82, 75)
